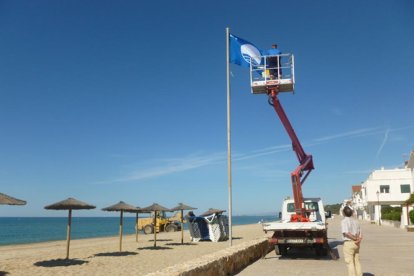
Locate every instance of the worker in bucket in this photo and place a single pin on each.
(273, 62)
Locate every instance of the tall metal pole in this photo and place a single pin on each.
(229, 135)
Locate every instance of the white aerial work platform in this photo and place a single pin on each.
(273, 72)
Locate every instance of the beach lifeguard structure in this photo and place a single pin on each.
(273, 72)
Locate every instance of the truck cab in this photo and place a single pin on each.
(313, 206)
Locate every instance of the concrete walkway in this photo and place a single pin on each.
(384, 251)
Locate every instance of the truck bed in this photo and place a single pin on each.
(287, 225)
(296, 234)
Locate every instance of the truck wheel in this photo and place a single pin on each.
(324, 251)
(148, 229)
(320, 250)
(171, 228)
(283, 250)
(277, 251)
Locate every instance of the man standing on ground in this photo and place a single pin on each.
(351, 233)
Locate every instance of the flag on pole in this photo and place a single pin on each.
(242, 52)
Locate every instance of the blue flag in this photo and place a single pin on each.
(243, 52)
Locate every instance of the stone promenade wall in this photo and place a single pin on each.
(224, 262)
(392, 223)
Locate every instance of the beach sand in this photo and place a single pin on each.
(101, 256)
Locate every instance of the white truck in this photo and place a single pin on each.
(288, 234)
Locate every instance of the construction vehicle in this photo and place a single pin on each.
(302, 220)
(163, 223)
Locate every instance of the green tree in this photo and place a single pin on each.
(412, 216)
(334, 208)
(410, 200)
(391, 213)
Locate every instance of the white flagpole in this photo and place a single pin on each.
(228, 135)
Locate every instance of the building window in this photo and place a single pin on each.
(405, 188)
(385, 189)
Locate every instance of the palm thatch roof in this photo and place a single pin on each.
(70, 204)
(182, 206)
(212, 211)
(9, 200)
(154, 207)
(138, 210)
(121, 206)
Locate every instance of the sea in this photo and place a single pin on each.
(22, 230)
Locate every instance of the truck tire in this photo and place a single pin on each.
(321, 250)
(324, 251)
(283, 250)
(277, 250)
(171, 228)
(148, 229)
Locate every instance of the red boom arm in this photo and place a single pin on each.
(300, 174)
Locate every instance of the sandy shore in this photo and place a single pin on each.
(101, 256)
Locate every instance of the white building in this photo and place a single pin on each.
(358, 202)
(387, 187)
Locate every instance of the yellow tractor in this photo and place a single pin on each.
(163, 223)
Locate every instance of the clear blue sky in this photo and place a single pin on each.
(106, 101)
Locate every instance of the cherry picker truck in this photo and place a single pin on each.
(302, 220)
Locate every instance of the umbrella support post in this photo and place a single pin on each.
(120, 231)
(155, 229)
(68, 233)
(136, 228)
(182, 228)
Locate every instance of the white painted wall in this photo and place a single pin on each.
(404, 217)
(394, 178)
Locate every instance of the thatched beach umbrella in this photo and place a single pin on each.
(181, 207)
(155, 208)
(212, 211)
(8, 200)
(69, 204)
(121, 207)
